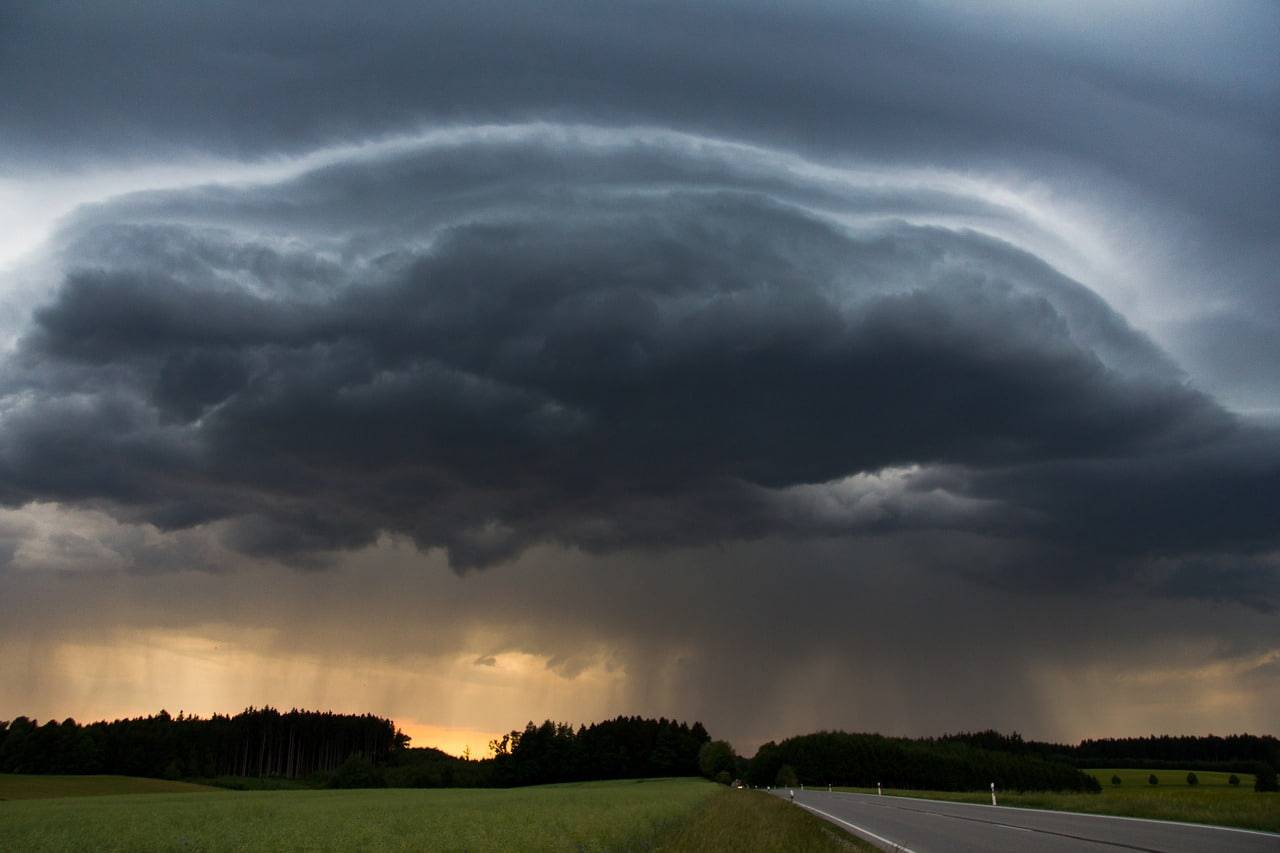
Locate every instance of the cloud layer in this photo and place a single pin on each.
(680, 326)
(571, 336)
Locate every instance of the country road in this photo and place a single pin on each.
(932, 826)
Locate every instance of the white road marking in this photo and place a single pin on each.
(893, 844)
(1078, 814)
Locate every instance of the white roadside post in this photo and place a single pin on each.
(828, 787)
(993, 793)
(878, 791)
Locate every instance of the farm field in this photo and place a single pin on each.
(1213, 801)
(679, 815)
(1136, 780)
(14, 786)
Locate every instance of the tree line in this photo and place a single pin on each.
(343, 750)
(256, 742)
(620, 748)
(936, 764)
(1242, 753)
(347, 750)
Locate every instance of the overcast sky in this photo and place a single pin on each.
(883, 366)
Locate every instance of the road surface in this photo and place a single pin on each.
(932, 826)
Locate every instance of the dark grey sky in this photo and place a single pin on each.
(759, 352)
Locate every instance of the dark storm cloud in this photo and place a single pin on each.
(481, 347)
(945, 333)
(1171, 117)
(1254, 582)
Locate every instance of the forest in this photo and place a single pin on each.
(343, 750)
(1241, 753)
(256, 742)
(943, 764)
(324, 749)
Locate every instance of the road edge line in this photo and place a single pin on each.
(1157, 820)
(893, 845)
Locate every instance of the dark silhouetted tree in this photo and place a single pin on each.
(716, 757)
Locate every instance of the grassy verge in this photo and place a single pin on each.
(1219, 805)
(16, 786)
(752, 820)
(602, 816)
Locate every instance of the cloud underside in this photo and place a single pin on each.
(549, 337)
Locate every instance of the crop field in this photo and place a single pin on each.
(677, 815)
(1213, 801)
(1137, 780)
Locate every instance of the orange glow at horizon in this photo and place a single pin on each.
(455, 740)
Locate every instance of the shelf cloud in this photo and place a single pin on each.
(863, 297)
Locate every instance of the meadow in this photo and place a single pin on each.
(1213, 801)
(674, 815)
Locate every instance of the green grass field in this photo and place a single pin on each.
(1136, 780)
(1213, 801)
(675, 815)
(753, 820)
(18, 787)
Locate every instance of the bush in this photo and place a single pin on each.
(716, 757)
(724, 778)
(1152, 780)
(1193, 779)
(786, 777)
(357, 772)
(1265, 780)
(1115, 780)
(1234, 780)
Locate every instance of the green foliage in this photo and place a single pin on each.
(724, 778)
(256, 742)
(1193, 779)
(335, 750)
(948, 764)
(1265, 779)
(595, 817)
(716, 757)
(1168, 752)
(786, 777)
(1115, 780)
(1153, 780)
(621, 748)
(357, 772)
(1234, 780)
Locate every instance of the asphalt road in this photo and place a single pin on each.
(932, 826)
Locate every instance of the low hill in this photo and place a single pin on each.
(19, 786)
